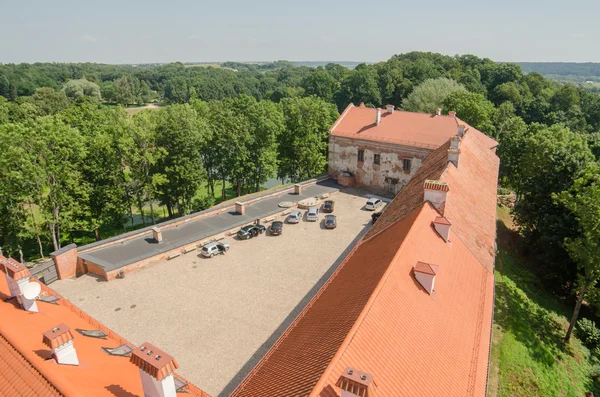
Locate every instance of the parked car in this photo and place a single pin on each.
(375, 216)
(276, 228)
(328, 206)
(251, 231)
(294, 217)
(330, 222)
(373, 203)
(312, 214)
(214, 248)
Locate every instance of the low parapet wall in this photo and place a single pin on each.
(86, 263)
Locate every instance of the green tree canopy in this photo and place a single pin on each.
(430, 95)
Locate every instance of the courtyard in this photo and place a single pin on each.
(219, 316)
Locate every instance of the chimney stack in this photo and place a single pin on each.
(453, 154)
(356, 383)
(436, 193)
(362, 105)
(442, 226)
(157, 234)
(156, 370)
(452, 114)
(377, 116)
(425, 275)
(461, 131)
(455, 142)
(390, 108)
(438, 111)
(60, 340)
(17, 278)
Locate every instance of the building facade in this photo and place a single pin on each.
(382, 149)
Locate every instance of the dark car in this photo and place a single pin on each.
(330, 222)
(276, 228)
(250, 231)
(375, 216)
(328, 206)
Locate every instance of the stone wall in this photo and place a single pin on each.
(388, 176)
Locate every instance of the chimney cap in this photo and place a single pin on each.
(352, 379)
(440, 220)
(153, 361)
(425, 268)
(57, 336)
(436, 185)
(15, 270)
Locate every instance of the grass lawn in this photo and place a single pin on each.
(529, 357)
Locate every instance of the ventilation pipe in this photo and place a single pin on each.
(377, 116)
(60, 340)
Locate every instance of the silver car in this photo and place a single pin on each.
(214, 248)
(294, 217)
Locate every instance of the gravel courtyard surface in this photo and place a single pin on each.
(219, 316)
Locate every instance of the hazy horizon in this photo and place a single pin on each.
(155, 32)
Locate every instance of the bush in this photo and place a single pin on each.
(202, 203)
(588, 333)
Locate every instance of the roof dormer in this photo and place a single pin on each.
(425, 274)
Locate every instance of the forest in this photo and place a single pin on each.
(74, 162)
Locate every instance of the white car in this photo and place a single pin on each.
(294, 217)
(312, 214)
(373, 203)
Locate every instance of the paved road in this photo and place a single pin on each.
(121, 254)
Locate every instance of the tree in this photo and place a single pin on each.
(125, 90)
(360, 86)
(472, 108)
(430, 95)
(552, 158)
(321, 84)
(181, 134)
(303, 143)
(512, 133)
(583, 200)
(50, 102)
(75, 89)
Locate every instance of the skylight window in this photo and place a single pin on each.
(123, 350)
(94, 333)
(49, 299)
(179, 384)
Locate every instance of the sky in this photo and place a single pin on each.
(132, 31)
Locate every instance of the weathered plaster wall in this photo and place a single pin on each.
(388, 176)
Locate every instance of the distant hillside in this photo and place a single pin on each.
(562, 68)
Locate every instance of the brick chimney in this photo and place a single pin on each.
(461, 130)
(156, 370)
(438, 111)
(60, 340)
(390, 108)
(377, 116)
(157, 235)
(425, 275)
(455, 142)
(452, 114)
(354, 383)
(442, 227)
(436, 193)
(17, 278)
(453, 154)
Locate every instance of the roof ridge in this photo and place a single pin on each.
(367, 308)
(338, 121)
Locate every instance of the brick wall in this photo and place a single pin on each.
(65, 260)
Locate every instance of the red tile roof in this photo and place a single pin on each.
(373, 314)
(413, 129)
(98, 374)
(18, 377)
